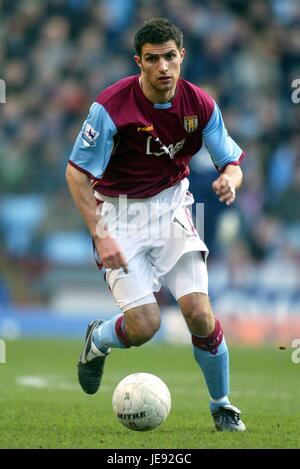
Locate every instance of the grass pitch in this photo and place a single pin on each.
(42, 406)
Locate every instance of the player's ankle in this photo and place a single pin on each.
(215, 404)
(97, 342)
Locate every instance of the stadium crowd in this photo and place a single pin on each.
(57, 55)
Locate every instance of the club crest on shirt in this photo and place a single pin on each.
(190, 123)
(89, 135)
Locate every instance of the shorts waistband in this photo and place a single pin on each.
(184, 184)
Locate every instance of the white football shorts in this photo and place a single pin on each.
(155, 234)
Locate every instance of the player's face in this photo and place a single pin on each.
(160, 66)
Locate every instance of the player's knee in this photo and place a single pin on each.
(143, 332)
(198, 318)
(140, 328)
(198, 315)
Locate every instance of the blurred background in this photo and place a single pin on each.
(55, 57)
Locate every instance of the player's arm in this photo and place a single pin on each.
(83, 196)
(226, 156)
(88, 160)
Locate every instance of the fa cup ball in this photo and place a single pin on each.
(141, 401)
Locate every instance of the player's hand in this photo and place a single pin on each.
(225, 189)
(110, 253)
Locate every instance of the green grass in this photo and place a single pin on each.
(264, 383)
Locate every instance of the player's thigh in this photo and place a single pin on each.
(134, 288)
(188, 283)
(189, 275)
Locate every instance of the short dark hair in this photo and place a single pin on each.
(157, 31)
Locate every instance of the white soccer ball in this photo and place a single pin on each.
(141, 401)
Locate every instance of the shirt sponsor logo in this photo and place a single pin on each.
(171, 149)
(89, 135)
(190, 123)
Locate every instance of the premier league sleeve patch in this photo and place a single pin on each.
(89, 135)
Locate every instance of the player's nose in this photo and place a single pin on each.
(163, 66)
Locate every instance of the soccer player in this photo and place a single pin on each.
(128, 175)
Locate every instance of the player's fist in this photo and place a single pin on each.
(110, 253)
(225, 189)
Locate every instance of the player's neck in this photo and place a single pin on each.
(155, 96)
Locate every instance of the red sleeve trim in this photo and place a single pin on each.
(89, 175)
(233, 163)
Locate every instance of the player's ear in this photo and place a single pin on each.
(182, 54)
(138, 61)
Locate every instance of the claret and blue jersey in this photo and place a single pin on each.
(130, 146)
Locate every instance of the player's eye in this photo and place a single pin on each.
(151, 58)
(170, 56)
